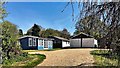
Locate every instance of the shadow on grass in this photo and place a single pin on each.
(105, 58)
(104, 53)
(36, 59)
(42, 50)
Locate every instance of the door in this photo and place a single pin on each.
(45, 44)
(40, 44)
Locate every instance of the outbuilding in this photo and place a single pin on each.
(35, 43)
(83, 40)
(59, 42)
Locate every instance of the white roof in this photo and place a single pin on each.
(28, 36)
(35, 37)
(84, 35)
(46, 38)
(61, 38)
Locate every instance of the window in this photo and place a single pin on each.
(55, 42)
(30, 41)
(45, 44)
(34, 42)
(50, 42)
(40, 42)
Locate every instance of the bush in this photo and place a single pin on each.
(100, 52)
(24, 54)
(6, 62)
(16, 58)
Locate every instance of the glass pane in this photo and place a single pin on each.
(45, 44)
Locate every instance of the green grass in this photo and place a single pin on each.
(27, 62)
(100, 52)
(102, 58)
(42, 50)
(36, 61)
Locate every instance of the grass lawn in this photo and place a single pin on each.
(102, 58)
(42, 50)
(27, 62)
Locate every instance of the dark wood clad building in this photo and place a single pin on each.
(59, 42)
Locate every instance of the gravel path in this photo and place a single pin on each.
(67, 57)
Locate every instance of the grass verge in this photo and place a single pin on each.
(27, 62)
(102, 58)
(36, 61)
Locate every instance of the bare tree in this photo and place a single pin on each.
(107, 12)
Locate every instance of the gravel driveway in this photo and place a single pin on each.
(66, 57)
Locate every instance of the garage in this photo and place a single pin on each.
(83, 40)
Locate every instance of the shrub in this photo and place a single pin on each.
(100, 52)
(24, 54)
(16, 58)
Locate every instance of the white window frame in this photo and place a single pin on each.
(34, 41)
(40, 42)
(30, 42)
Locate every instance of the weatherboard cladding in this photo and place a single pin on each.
(60, 42)
(25, 42)
(82, 40)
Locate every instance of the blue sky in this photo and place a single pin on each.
(46, 14)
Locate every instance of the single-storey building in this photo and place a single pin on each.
(83, 40)
(59, 42)
(35, 43)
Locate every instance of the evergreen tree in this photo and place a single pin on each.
(65, 33)
(20, 32)
(52, 32)
(34, 30)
